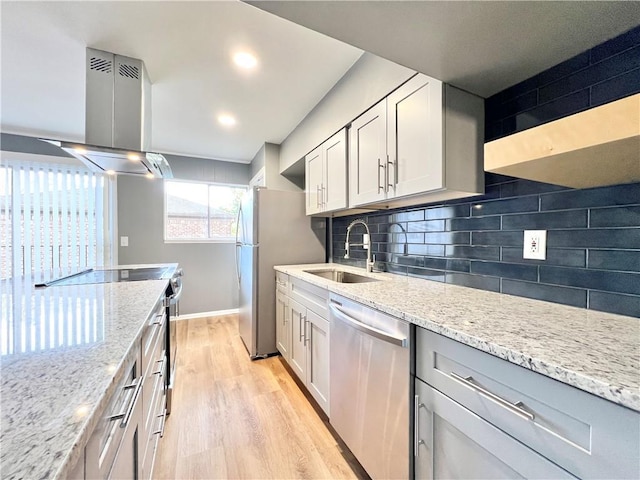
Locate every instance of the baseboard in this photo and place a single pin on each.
(216, 313)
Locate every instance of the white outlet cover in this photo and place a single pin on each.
(124, 241)
(535, 245)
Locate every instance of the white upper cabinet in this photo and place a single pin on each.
(313, 173)
(368, 156)
(425, 139)
(414, 138)
(326, 175)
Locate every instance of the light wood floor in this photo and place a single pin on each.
(233, 418)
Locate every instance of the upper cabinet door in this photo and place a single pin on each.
(334, 188)
(368, 156)
(415, 137)
(314, 170)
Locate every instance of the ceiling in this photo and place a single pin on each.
(187, 49)
(480, 46)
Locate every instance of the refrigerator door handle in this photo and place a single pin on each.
(238, 244)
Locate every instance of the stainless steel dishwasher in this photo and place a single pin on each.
(369, 387)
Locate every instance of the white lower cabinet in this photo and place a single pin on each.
(124, 442)
(302, 332)
(506, 421)
(283, 325)
(454, 443)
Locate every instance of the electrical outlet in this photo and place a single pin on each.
(535, 244)
(124, 241)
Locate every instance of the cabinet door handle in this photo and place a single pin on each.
(381, 166)
(516, 408)
(318, 193)
(416, 425)
(323, 202)
(300, 326)
(306, 333)
(395, 173)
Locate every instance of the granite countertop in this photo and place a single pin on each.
(63, 352)
(594, 351)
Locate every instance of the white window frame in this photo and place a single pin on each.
(195, 240)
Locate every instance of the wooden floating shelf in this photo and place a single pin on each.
(597, 147)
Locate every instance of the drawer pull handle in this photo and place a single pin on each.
(160, 371)
(125, 416)
(516, 408)
(157, 320)
(163, 415)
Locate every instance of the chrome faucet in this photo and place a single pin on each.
(405, 251)
(366, 242)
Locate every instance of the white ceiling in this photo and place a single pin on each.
(187, 48)
(480, 46)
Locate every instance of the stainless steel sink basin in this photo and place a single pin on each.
(341, 276)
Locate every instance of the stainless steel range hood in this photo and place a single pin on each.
(118, 119)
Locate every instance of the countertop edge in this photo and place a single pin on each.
(618, 394)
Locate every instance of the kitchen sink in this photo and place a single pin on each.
(341, 276)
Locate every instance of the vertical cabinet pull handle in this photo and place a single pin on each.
(416, 426)
(306, 333)
(383, 167)
(395, 173)
(318, 193)
(300, 326)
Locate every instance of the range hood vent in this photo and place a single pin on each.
(118, 119)
(594, 148)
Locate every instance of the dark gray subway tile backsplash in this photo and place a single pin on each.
(593, 244)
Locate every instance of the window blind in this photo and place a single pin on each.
(53, 217)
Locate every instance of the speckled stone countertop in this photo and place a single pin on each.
(63, 351)
(593, 351)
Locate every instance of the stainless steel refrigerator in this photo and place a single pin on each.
(272, 230)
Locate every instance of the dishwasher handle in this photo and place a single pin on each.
(368, 329)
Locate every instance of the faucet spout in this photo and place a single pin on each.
(366, 242)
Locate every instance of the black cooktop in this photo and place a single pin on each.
(108, 276)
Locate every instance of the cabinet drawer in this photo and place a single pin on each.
(282, 283)
(153, 333)
(154, 424)
(588, 436)
(119, 414)
(453, 442)
(311, 296)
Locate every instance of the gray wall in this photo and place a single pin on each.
(268, 157)
(210, 275)
(369, 80)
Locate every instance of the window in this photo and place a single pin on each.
(52, 217)
(196, 212)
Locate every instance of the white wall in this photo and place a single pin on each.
(368, 81)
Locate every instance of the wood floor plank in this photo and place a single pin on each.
(234, 418)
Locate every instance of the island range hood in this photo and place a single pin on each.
(118, 119)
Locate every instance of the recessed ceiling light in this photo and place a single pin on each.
(80, 150)
(134, 157)
(111, 172)
(245, 60)
(227, 120)
(150, 175)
